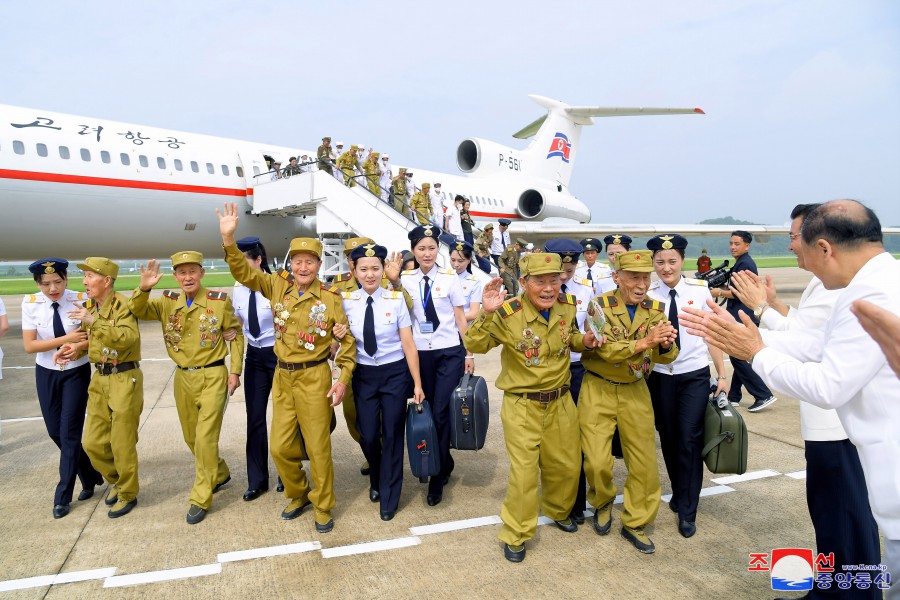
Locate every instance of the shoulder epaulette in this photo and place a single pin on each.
(330, 288)
(391, 295)
(80, 296)
(472, 277)
(217, 295)
(90, 304)
(607, 301)
(286, 275)
(605, 275)
(651, 304)
(408, 272)
(581, 280)
(34, 298)
(350, 295)
(510, 308)
(447, 271)
(171, 295)
(238, 284)
(692, 281)
(116, 303)
(343, 277)
(654, 285)
(567, 298)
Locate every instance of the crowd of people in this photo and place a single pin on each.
(575, 393)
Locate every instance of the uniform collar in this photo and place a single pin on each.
(199, 299)
(532, 314)
(431, 274)
(106, 308)
(679, 287)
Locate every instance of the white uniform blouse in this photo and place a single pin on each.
(37, 315)
(446, 293)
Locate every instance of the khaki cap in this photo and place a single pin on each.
(352, 243)
(540, 263)
(488, 226)
(426, 186)
(639, 261)
(187, 257)
(100, 265)
(522, 242)
(307, 245)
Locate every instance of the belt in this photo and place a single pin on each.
(299, 366)
(547, 396)
(610, 381)
(111, 369)
(218, 363)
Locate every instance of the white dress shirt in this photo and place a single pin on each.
(471, 287)
(391, 315)
(497, 246)
(601, 276)
(815, 308)
(454, 222)
(446, 293)
(240, 298)
(583, 292)
(692, 349)
(841, 367)
(37, 315)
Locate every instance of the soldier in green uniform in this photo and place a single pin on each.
(540, 423)
(305, 314)
(615, 391)
(116, 392)
(325, 155)
(348, 162)
(421, 204)
(399, 193)
(483, 241)
(373, 172)
(509, 263)
(193, 323)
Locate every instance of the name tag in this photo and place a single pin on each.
(426, 327)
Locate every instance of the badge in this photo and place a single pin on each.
(426, 327)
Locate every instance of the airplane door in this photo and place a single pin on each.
(254, 165)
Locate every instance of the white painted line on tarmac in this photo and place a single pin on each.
(746, 477)
(797, 475)
(366, 547)
(455, 525)
(165, 575)
(45, 580)
(22, 420)
(715, 490)
(298, 548)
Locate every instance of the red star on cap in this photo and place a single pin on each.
(547, 259)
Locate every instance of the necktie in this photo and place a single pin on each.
(503, 240)
(590, 275)
(253, 325)
(58, 329)
(563, 288)
(673, 317)
(428, 305)
(369, 343)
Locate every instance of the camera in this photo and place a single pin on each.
(716, 277)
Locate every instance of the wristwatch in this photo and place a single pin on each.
(758, 311)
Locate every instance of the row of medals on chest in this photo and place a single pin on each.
(315, 326)
(530, 344)
(208, 328)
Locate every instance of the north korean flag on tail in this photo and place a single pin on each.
(560, 147)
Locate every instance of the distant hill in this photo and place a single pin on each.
(725, 221)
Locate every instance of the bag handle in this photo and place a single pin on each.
(725, 435)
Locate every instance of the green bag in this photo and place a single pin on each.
(724, 439)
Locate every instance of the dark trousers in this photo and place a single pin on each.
(496, 259)
(380, 394)
(467, 235)
(744, 374)
(259, 371)
(577, 371)
(440, 371)
(679, 408)
(63, 397)
(840, 512)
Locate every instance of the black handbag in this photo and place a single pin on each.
(469, 413)
(422, 442)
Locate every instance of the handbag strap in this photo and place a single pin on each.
(715, 442)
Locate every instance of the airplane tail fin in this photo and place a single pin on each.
(557, 133)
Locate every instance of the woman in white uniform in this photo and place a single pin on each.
(461, 262)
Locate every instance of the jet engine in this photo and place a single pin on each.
(484, 157)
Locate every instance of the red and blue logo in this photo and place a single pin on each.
(560, 147)
(792, 569)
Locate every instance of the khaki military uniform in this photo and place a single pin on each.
(540, 435)
(483, 245)
(348, 162)
(326, 157)
(194, 340)
(400, 195)
(115, 400)
(370, 168)
(614, 392)
(509, 262)
(421, 206)
(302, 379)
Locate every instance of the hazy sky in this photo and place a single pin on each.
(801, 97)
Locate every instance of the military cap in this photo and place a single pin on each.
(368, 251)
(462, 246)
(353, 242)
(504, 222)
(48, 266)
(522, 242)
(326, 139)
(408, 256)
(616, 238)
(375, 155)
(306, 245)
(424, 231)
(402, 170)
(568, 250)
(638, 261)
(540, 263)
(100, 265)
(488, 226)
(591, 244)
(669, 241)
(248, 243)
(354, 147)
(426, 186)
(187, 257)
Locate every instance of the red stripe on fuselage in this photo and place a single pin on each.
(122, 183)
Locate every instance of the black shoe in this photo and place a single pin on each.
(280, 487)
(196, 514)
(60, 510)
(514, 553)
(578, 517)
(124, 508)
(638, 539)
(603, 528)
(220, 485)
(434, 499)
(387, 515)
(365, 469)
(294, 509)
(374, 496)
(686, 528)
(112, 497)
(673, 507)
(254, 493)
(326, 527)
(569, 526)
(761, 404)
(86, 494)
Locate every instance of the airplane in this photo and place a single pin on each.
(81, 185)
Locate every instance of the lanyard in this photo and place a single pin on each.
(427, 297)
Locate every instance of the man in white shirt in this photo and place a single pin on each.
(437, 205)
(839, 366)
(453, 219)
(501, 240)
(599, 274)
(386, 176)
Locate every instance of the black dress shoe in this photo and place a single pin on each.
(686, 528)
(569, 526)
(434, 499)
(673, 507)
(578, 517)
(387, 515)
(374, 496)
(220, 485)
(60, 510)
(365, 469)
(280, 487)
(85, 494)
(514, 554)
(196, 514)
(254, 493)
(326, 527)
(112, 497)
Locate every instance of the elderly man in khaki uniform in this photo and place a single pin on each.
(194, 322)
(400, 192)
(509, 262)
(348, 162)
(540, 422)
(306, 312)
(615, 391)
(325, 155)
(421, 204)
(373, 172)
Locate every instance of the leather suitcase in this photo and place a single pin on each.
(724, 439)
(422, 442)
(469, 413)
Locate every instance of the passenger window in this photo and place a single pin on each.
(63, 151)
(126, 160)
(210, 169)
(195, 167)
(18, 147)
(104, 156)
(85, 155)
(255, 170)
(41, 149)
(160, 162)
(225, 170)
(178, 166)
(239, 171)
(143, 160)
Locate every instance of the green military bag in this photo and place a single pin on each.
(724, 439)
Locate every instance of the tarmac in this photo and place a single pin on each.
(451, 550)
